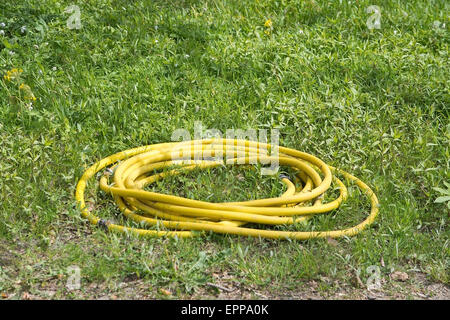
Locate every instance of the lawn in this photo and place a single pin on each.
(371, 101)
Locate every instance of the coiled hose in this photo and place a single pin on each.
(134, 169)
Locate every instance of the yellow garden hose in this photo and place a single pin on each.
(134, 169)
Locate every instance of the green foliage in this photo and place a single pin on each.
(445, 195)
(372, 102)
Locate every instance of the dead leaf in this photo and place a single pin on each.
(26, 296)
(219, 287)
(333, 242)
(313, 285)
(165, 292)
(358, 280)
(4, 295)
(382, 262)
(260, 295)
(399, 276)
(90, 206)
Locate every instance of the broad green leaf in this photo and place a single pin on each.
(442, 199)
(440, 190)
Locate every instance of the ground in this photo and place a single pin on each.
(370, 99)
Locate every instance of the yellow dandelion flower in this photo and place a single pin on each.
(31, 97)
(268, 23)
(28, 94)
(12, 74)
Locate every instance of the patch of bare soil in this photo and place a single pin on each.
(398, 285)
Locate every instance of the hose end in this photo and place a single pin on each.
(102, 223)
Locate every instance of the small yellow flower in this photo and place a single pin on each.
(12, 74)
(28, 94)
(268, 23)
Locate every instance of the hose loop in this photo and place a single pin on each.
(131, 171)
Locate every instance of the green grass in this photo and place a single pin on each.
(372, 102)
